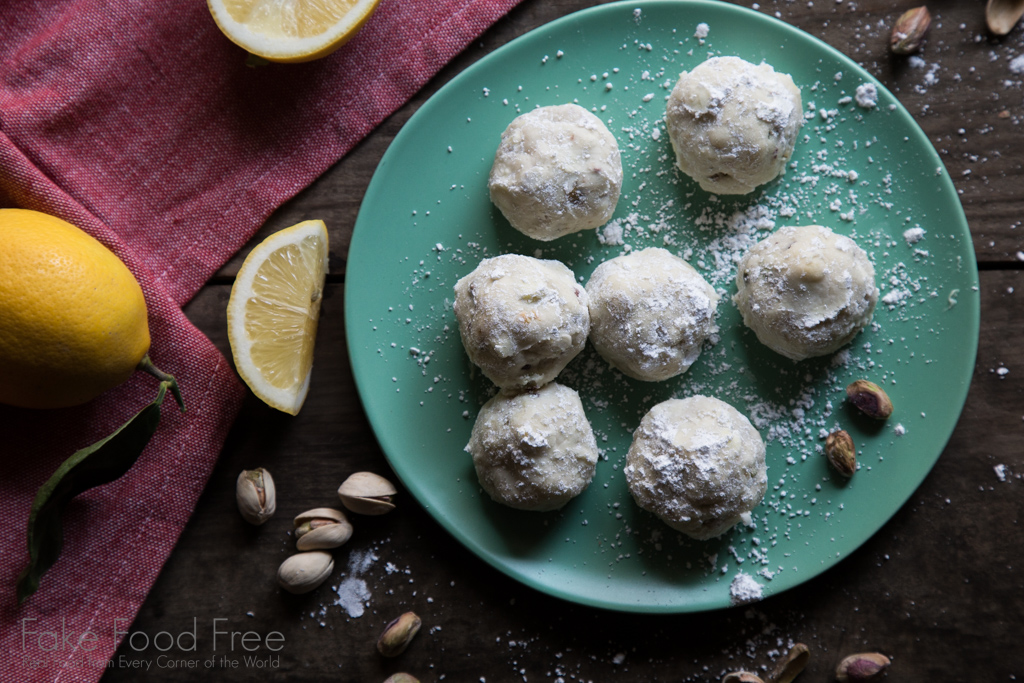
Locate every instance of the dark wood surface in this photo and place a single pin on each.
(940, 588)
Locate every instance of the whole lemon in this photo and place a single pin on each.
(72, 317)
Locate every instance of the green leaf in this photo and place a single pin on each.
(254, 61)
(100, 463)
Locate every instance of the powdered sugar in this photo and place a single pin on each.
(867, 96)
(913, 235)
(744, 589)
(352, 594)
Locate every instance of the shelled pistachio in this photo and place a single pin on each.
(863, 666)
(841, 452)
(398, 634)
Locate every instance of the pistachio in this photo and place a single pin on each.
(256, 496)
(909, 30)
(402, 678)
(862, 666)
(790, 666)
(870, 399)
(321, 528)
(1002, 15)
(303, 572)
(741, 677)
(841, 452)
(398, 634)
(367, 494)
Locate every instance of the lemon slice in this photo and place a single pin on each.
(273, 313)
(291, 30)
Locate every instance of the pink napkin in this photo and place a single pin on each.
(140, 123)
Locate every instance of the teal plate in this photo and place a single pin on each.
(869, 173)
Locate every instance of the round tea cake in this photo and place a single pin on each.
(534, 450)
(650, 313)
(805, 291)
(733, 124)
(557, 171)
(698, 464)
(521, 319)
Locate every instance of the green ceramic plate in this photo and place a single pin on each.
(866, 172)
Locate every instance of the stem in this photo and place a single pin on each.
(146, 365)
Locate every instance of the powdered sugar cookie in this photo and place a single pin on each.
(521, 319)
(806, 291)
(534, 450)
(698, 464)
(733, 125)
(557, 171)
(650, 313)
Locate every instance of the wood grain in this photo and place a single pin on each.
(940, 588)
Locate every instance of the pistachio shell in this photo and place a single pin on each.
(256, 495)
(320, 513)
(330, 535)
(303, 572)
(790, 666)
(402, 678)
(366, 493)
(1002, 15)
(741, 677)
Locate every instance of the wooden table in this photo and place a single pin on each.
(940, 588)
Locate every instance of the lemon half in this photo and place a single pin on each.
(273, 313)
(291, 30)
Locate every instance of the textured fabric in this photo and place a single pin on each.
(140, 123)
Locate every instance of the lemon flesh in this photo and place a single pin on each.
(273, 313)
(291, 30)
(73, 320)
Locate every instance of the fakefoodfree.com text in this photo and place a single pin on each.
(38, 638)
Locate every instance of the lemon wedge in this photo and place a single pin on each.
(291, 30)
(273, 313)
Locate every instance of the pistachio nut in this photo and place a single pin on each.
(303, 572)
(841, 452)
(402, 678)
(909, 30)
(256, 496)
(862, 666)
(790, 666)
(870, 399)
(398, 634)
(741, 677)
(321, 528)
(366, 493)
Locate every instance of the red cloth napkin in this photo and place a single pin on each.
(140, 123)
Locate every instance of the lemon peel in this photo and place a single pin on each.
(291, 30)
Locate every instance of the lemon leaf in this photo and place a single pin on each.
(253, 61)
(100, 463)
